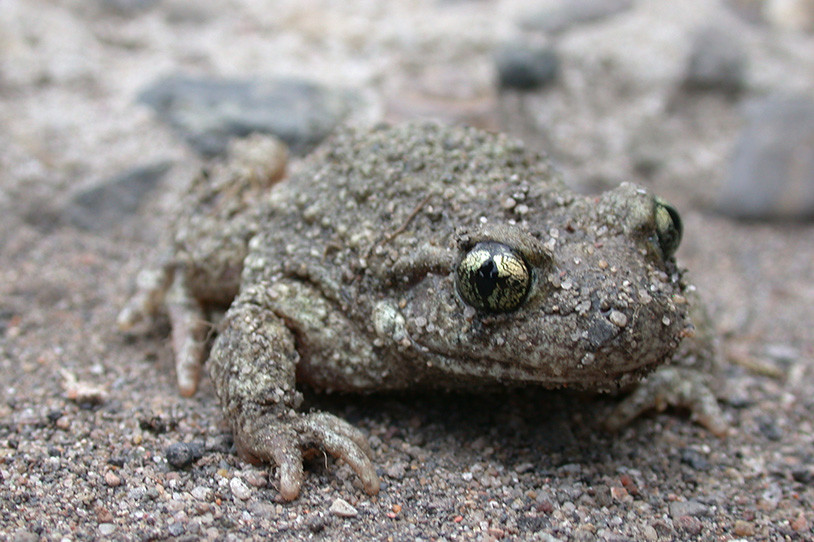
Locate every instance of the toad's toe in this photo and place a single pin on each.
(672, 387)
(283, 443)
(342, 440)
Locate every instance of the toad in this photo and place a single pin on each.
(418, 255)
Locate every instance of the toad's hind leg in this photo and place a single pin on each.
(189, 330)
(166, 287)
(253, 366)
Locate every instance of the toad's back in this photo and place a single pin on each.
(402, 186)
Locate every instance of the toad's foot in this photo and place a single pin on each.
(283, 443)
(676, 387)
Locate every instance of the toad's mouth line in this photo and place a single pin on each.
(552, 372)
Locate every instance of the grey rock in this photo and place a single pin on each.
(176, 528)
(717, 61)
(748, 10)
(768, 427)
(522, 66)
(183, 454)
(104, 205)
(397, 470)
(567, 13)
(694, 459)
(689, 508)
(772, 172)
(209, 112)
(126, 7)
(239, 489)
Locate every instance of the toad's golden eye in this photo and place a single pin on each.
(493, 278)
(668, 227)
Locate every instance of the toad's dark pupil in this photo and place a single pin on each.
(487, 278)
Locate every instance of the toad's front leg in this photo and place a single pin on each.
(253, 365)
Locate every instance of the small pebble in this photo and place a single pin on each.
(800, 523)
(689, 524)
(688, 508)
(239, 489)
(112, 480)
(768, 428)
(694, 459)
(176, 528)
(618, 318)
(620, 494)
(183, 454)
(343, 509)
(106, 529)
(804, 476)
(744, 528)
(201, 493)
(397, 470)
(255, 478)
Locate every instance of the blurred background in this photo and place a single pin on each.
(708, 103)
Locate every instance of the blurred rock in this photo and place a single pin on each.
(106, 204)
(772, 172)
(717, 61)
(748, 10)
(795, 15)
(521, 66)
(209, 112)
(127, 8)
(449, 92)
(649, 147)
(567, 13)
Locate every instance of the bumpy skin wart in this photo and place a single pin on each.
(348, 283)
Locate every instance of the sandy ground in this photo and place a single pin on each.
(518, 465)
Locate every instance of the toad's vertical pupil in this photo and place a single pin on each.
(486, 278)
